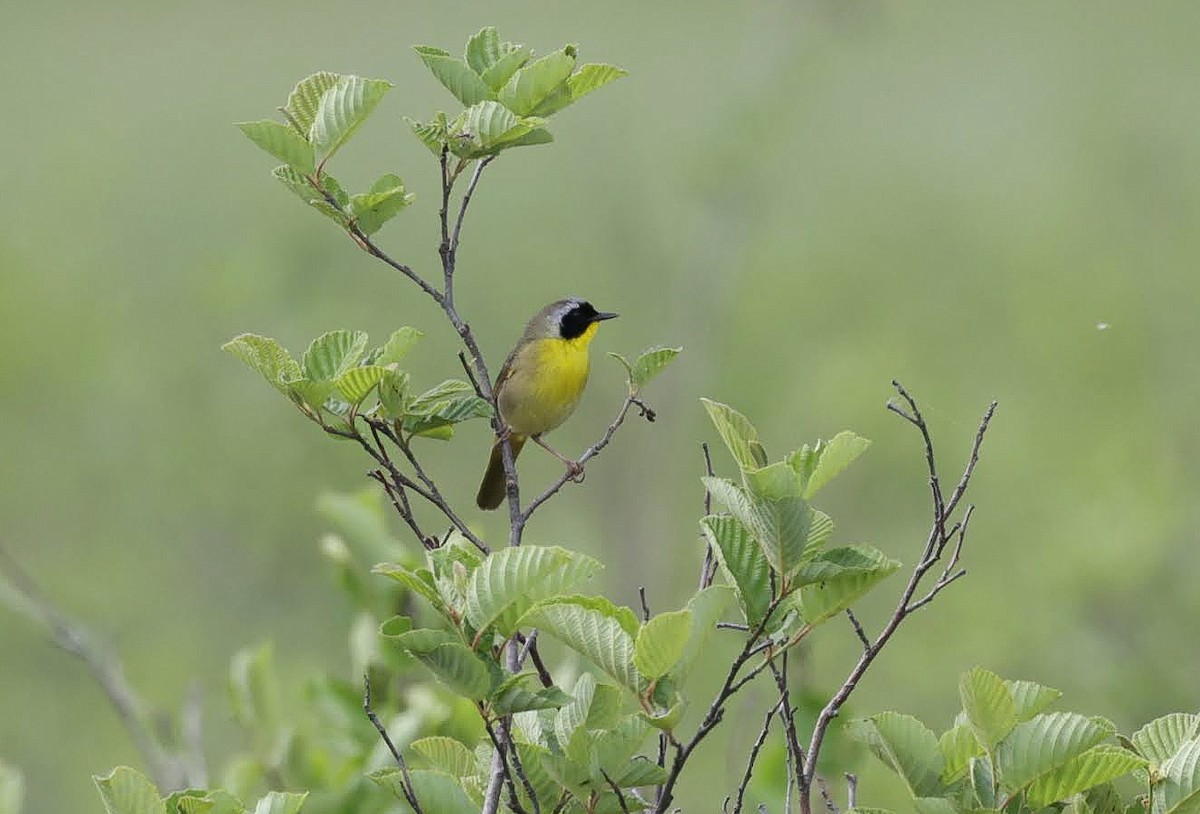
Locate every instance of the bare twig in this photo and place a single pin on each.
(858, 629)
(709, 569)
(505, 773)
(825, 795)
(616, 790)
(645, 606)
(406, 786)
(851, 790)
(754, 750)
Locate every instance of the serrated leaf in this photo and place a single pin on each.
(433, 134)
(333, 353)
(1097, 765)
(1178, 792)
(1160, 739)
(419, 581)
(455, 75)
(742, 562)
(544, 786)
(446, 755)
(456, 666)
(393, 393)
(1031, 698)
(835, 455)
(502, 70)
(509, 581)
(342, 110)
(371, 210)
(958, 746)
(706, 608)
(398, 346)
(983, 781)
(931, 805)
(780, 527)
(835, 579)
(127, 791)
(1041, 744)
(435, 791)
(305, 98)
(483, 49)
(283, 142)
(988, 704)
(513, 697)
(304, 190)
(739, 435)
(660, 643)
(486, 128)
(357, 382)
(278, 802)
(588, 78)
(534, 83)
(314, 394)
(906, 746)
(266, 357)
(650, 363)
(448, 403)
(641, 772)
(594, 628)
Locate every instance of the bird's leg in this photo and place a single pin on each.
(573, 467)
(504, 435)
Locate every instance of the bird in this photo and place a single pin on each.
(540, 384)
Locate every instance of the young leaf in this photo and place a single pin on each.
(398, 345)
(983, 781)
(126, 791)
(304, 190)
(779, 526)
(531, 85)
(486, 128)
(502, 70)
(1097, 765)
(254, 689)
(958, 746)
(435, 791)
(706, 607)
(278, 802)
(483, 49)
(342, 110)
(393, 393)
(660, 643)
(448, 403)
(650, 364)
(511, 580)
(446, 755)
(357, 382)
(836, 454)
(906, 746)
(419, 582)
(834, 580)
(594, 628)
(738, 433)
(1031, 698)
(593, 76)
(988, 704)
(283, 142)
(305, 98)
(512, 696)
(371, 210)
(267, 357)
(433, 134)
(742, 562)
(1178, 792)
(1160, 739)
(456, 666)
(466, 85)
(332, 354)
(1042, 744)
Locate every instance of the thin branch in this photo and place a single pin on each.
(406, 780)
(466, 366)
(858, 629)
(506, 733)
(645, 606)
(851, 790)
(754, 750)
(513, 802)
(616, 790)
(709, 569)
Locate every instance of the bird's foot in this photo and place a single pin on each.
(574, 470)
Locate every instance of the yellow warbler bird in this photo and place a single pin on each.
(540, 384)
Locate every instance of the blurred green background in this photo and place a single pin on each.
(982, 200)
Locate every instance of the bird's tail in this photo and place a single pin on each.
(491, 490)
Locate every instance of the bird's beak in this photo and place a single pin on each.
(603, 315)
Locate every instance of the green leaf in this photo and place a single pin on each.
(738, 433)
(834, 456)
(931, 805)
(988, 704)
(983, 781)
(314, 394)
(1178, 792)
(660, 643)
(512, 696)
(502, 70)
(419, 582)
(266, 357)
(371, 210)
(835, 579)
(509, 581)
(393, 393)
(534, 83)
(466, 85)
(1043, 743)
(398, 345)
(742, 562)
(650, 364)
(304, 190)
(342, 110)
(1097, 765)
(435, 791)
(958, 746)
(12, 790)
(486, 128)
(332, 354)
(456, 666)
(433, 134)
(483, 49)
(126, 791)
(278, 802)
(254, 689)
(305, 98)
(706, 608)
(594, 628)
(451, 402)
(283, 142)
(593, 76)
(357, 382)
(780, 526)
(641, 772)
(1031, 698)
(906, 746)
(446, 755)
(1160, 739)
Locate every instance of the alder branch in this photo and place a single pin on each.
(935, 544)
(754, 750)
(406, 785)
